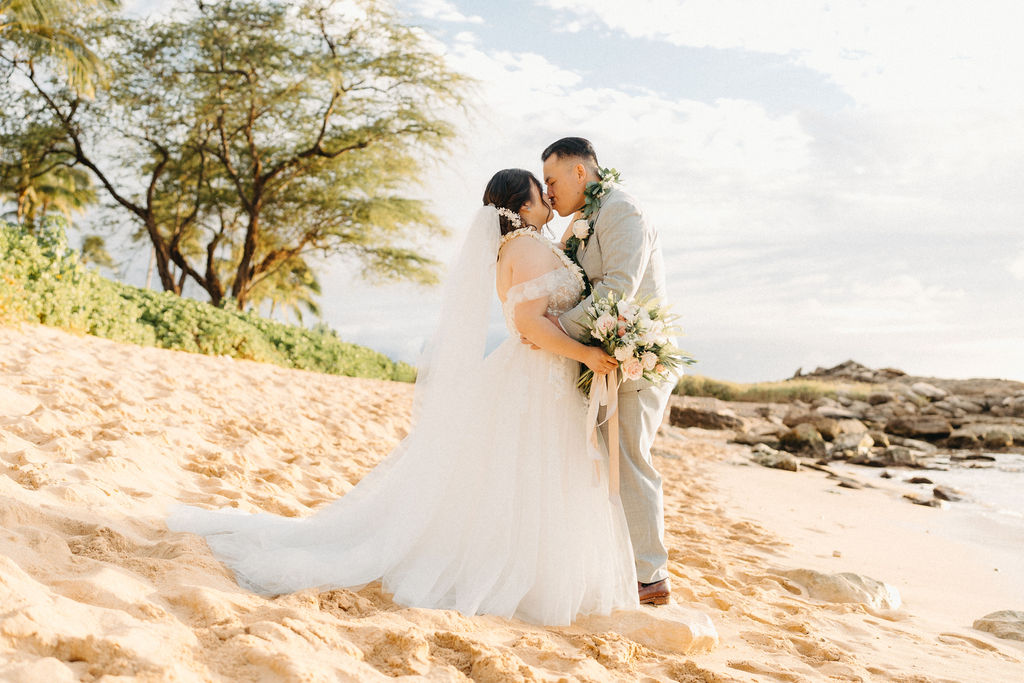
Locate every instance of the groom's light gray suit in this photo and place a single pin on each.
(623, 255)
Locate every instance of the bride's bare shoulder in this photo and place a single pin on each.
(523, 246)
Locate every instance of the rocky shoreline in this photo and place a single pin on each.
(885, 419)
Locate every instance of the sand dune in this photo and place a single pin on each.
(96, 438)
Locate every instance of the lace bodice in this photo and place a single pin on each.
(563, 285)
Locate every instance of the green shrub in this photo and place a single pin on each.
(43, 280)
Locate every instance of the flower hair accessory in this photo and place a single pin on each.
(511, 215)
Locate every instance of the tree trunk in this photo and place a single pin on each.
(149, 268)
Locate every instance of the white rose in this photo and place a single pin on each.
(649, 360)
(632, 368)
(624, 352)
(629, 311)
(581, 229)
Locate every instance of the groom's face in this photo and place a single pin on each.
(566, 179)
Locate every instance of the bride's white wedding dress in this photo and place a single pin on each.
(489, 506)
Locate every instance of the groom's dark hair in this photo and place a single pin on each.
(579, 148)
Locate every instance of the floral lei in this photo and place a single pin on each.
(592, 194)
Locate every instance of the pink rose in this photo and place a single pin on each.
(660, 369)
(633, 369)
(603, 325)
(622, 330)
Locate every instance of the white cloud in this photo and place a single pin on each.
(1016, 266)
(442, 10)
(895, 52)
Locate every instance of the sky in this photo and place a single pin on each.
(831, 180)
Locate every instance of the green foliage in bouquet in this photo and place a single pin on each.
(43, 280)
(638, 334)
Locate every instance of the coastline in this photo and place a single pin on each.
(804, 520)
(951, 564)
(97, 438)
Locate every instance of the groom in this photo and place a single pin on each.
(623, 255)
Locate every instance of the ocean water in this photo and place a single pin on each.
(994, 489)
(991, 514)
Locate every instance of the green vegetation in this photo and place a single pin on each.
(49, 28)
(246, 142)
(42, 280)
(769, 392)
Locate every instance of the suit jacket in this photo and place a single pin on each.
(623, 255)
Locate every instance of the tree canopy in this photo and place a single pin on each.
(247, 140)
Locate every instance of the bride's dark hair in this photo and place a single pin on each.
(510, 189)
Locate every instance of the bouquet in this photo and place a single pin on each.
(637, 334)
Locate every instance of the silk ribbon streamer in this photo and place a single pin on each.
(605, 392)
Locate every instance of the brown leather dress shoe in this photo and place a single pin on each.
(653, 593)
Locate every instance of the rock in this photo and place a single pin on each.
(850, 426)
(948, 493)
(962, 439)
(794, 417)
(919, 480)
(880, 438)
(983, 431)
(901, 456)
(859, 406)
(879, 397)
(845, 587)
(932, 393)
(997, 438)
(1005, 624)
(769, 457)
(924, 426)
(927, 502)
(915, 444)
(1016, 407)
(826, 426)
(837, 413)
(949, 408)
(803, 437)
(669, 627)
(969, 406)
(850, 445)
(681, 416)
(748, 439)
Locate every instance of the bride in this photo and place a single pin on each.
(491, 504)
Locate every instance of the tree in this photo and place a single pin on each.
(34, 174)
(293, 286)
(46, 27)
(94, 250)
(244, 136)
(39, 178)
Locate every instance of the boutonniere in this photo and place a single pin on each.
(583, 228)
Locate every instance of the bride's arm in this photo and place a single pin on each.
(526, 259)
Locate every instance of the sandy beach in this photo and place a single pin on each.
(97, 438)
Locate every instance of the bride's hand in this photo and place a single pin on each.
(600, 362)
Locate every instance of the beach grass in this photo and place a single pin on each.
(42, 280)
(785, 391)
